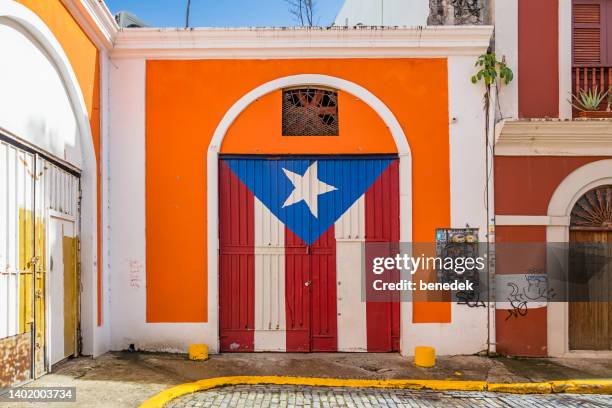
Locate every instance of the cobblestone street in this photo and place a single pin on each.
(322, 397)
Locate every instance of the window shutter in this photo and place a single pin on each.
(607, 34)
(588, 32)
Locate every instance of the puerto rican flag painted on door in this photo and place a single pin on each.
(291, 240)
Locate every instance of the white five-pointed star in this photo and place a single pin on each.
(307, 188)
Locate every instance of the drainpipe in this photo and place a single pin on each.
(490, 204)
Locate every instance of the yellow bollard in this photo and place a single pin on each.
(198, 352)
(424, 356)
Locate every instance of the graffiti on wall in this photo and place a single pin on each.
(520, 292)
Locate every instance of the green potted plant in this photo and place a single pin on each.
(588, 103)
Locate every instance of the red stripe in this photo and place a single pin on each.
(382, 225)
(538, 58)
(324, 322)
(311, 309)
(236, 263)
(297, 299)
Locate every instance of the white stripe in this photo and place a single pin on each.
(350, 235)
(526, 220)
(270, 326)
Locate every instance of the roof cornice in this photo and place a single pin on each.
(294, 42)
(96, 20)
(334, 42)
(582, 137)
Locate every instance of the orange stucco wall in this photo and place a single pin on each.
(185, 101)
(84, 57)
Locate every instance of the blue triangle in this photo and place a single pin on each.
(267, 180)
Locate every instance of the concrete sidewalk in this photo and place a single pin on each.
(124, 379)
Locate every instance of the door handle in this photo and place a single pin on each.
(307, 283)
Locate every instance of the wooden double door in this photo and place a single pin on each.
(280, 290)
(590, 323)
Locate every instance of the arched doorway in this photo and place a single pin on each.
(217, 154)
(296, 205)
(48, 159)
(590, 322)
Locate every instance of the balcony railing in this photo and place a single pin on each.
(592, 78)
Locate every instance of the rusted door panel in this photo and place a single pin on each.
(17, 252)
(16, 357)
(31, 187)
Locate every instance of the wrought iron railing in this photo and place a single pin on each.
(592, 78)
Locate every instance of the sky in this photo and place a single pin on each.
(221, 13)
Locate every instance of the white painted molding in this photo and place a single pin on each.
(313, 79)
(96, 20)
(212, 165)
(577, 183)
(334, 42)
(530, 220)
(554, 138)
(506, 46)
(565, 58)
(286, 42)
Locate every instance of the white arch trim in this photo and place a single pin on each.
(230, 116)
(564, 198)
(576, 184)
(38, 29)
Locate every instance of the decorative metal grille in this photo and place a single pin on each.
(593, 210)
(310, 112)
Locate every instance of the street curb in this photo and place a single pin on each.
(567, 386)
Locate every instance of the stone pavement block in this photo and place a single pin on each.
(300, 396)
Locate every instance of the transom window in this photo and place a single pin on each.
(593, 210)
(311, 111)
